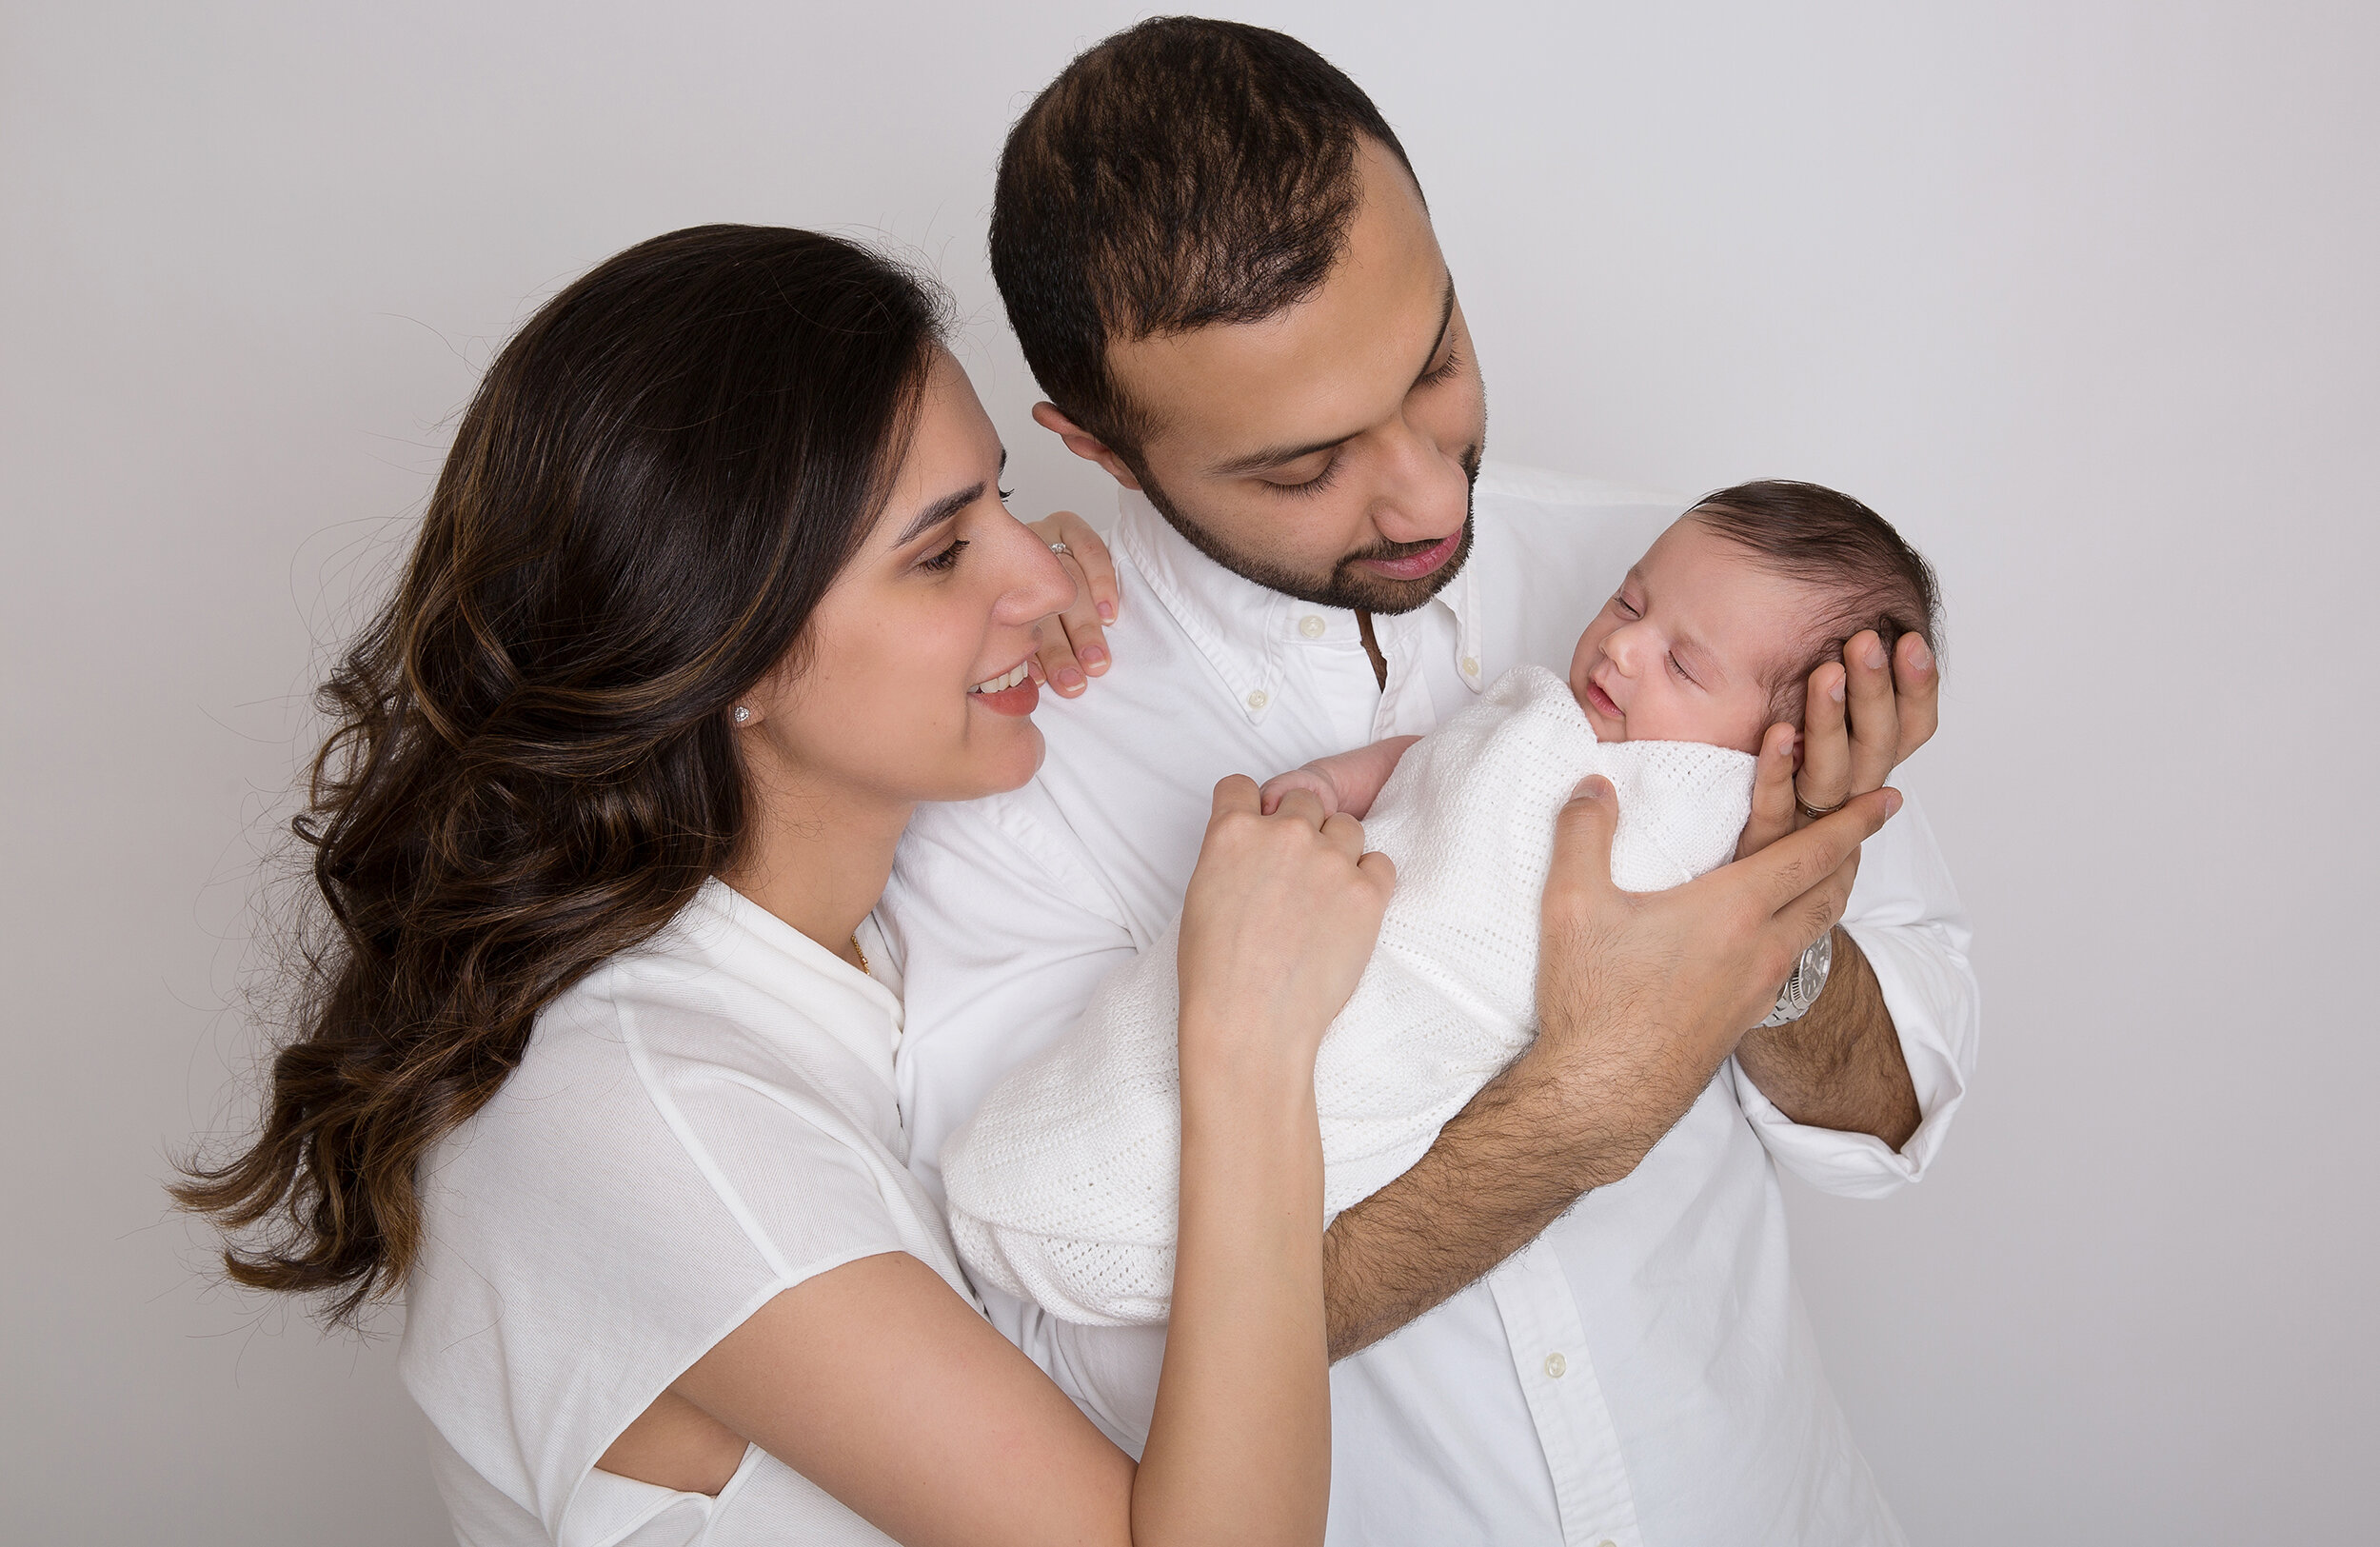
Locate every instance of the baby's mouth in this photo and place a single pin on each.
(1601, 702)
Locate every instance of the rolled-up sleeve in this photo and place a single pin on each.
(1906, 916)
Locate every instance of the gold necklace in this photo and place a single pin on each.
(861, 952)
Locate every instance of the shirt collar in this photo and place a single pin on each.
(1247, 632)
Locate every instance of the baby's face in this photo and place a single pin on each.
(1682, 652)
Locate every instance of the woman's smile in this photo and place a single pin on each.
(1013, 691)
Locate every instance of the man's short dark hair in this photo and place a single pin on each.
(1182, 174)
(1869, 575)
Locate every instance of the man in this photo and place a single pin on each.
(1225, 277)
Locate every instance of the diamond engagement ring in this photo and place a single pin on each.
(1060, 547)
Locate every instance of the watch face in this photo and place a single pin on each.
(1810, 977)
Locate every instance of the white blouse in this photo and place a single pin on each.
(700, 1126)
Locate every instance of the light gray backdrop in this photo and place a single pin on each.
(2082, 295)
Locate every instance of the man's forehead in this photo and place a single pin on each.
(1329, 366)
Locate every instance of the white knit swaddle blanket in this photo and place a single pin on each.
(1064, 1186)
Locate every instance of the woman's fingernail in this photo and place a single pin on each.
(1875, 656)
(1069, 680)
(1092, 657)
(1107, 613)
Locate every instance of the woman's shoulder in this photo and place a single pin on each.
(692, 1129)
(658, 1092)
(728, 991)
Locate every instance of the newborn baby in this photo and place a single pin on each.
(1062, 1187)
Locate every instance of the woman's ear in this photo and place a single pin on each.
(1084, 444)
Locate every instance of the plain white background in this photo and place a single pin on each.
(2083, 296)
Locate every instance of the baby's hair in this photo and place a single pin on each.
(1870, 577)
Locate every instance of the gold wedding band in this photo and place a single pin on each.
(1815, 813)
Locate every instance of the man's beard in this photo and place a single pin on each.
(1347, 585)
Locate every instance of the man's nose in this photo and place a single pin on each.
(1425, 493)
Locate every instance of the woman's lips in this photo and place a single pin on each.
(1013, 691)
(1022, 698)
(1414, 565)
(1601, 702)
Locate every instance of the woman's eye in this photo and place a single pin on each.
(940, 561)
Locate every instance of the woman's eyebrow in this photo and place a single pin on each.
(939, 512)
(945, 507)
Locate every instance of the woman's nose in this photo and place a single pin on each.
(1036, 584)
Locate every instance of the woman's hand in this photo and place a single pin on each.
(1313, 779)
(1074, 643)
(1865, 717)
(1282, 915)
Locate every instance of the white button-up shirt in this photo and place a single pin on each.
(1642, 1374)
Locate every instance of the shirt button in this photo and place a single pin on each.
(1257, 699)
(1471, 665)
(1311, 626)
(1556, 1364)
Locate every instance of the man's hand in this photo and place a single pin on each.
(1074, 643)
(1643, 986)
(1841, 1066)
(1865, 717)
(1640, 998)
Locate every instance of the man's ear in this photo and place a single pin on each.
(1084, 444)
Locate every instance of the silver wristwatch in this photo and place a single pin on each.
(1802, 989)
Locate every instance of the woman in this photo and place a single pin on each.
(716, 583)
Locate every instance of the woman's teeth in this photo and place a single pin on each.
(1001, 683)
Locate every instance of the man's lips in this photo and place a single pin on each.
(1414, 565)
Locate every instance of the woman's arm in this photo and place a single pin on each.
(884, 1387)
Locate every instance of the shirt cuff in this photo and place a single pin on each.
(1930, 990)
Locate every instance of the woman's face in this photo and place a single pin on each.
(912, 683)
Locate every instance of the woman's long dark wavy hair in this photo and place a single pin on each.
(531, 767)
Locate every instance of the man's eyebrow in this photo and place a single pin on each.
(1275, 456)
(943, 508)
(1445, 321)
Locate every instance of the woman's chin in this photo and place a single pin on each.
(998, 762)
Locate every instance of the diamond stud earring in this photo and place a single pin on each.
(742, 714)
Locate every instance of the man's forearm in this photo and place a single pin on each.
(1491, 1185)
(1840, 1065)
